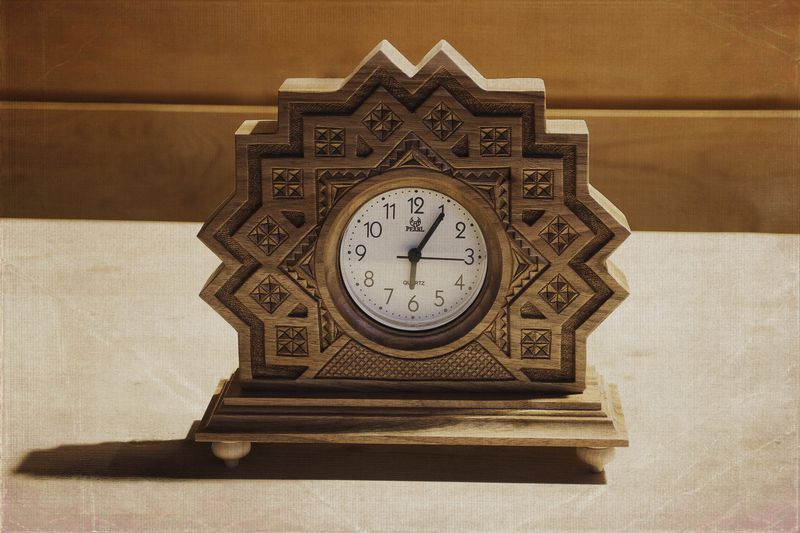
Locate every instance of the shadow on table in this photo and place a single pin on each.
(186, 459)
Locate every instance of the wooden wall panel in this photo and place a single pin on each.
(119, 162)
(699, 170)
(627, 54)
(667, 170)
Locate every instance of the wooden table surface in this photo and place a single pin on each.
(109, 356)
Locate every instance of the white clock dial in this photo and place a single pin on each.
(413, 258)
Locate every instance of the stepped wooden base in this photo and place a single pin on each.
(591, 421)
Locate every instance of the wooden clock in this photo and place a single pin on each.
(413, 254)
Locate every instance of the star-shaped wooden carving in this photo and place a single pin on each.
(442, 117)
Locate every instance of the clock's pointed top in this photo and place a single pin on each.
(386, 50)
(384, 54)
(446, 50)
(389, 52)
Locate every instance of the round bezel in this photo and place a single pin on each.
(356, 323)
(392, 313)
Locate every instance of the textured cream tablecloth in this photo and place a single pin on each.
(109, 355)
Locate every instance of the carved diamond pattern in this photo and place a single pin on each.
(269, 294)
(536, 343)
(558, 234)
(496, 142)
(558, 293)
(268, 235)
(287, 183)
(442, 121)
(329, 142)
(316, 129)
(537, 183)
(382, 121)
(291, 341)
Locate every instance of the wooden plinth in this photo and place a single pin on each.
(591, 421)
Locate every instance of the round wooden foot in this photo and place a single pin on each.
(230, 452)
(596, 458)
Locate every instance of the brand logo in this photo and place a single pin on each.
(415, 224)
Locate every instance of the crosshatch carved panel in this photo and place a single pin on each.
(442, 121)
(287, 183)
(558, 293)
(536, 343)
(537, 183)
(269, 294)
(268, 235)
(558, 234)
(388, 126)
(329, 142)
(382, 121)
(496, 142)
(291, 341)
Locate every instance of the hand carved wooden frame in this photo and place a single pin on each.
(440, 123)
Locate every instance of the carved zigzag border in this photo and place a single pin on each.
(600, 303)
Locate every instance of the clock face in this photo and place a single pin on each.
(413, 258)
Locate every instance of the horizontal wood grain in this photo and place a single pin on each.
(119, 162)
(666, 170)
(628, 54)
(566, 423)
(699, 171)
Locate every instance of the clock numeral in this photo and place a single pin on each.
(413, 305)
(361, 251)
(390, 208)
(460, 282)
(416, 203)
(374, 229)
(439, 298)
(391, 291)
(470, 256)
(441, 208)
(368, 278)
(460, 228)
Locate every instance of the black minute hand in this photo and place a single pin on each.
(428, 235)
(434, 258)
(415, 254)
